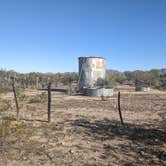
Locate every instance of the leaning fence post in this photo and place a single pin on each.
(69, 87)
(49, 102)
(15, 96)
(119, 109)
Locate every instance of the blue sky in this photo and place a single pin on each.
(49, 35)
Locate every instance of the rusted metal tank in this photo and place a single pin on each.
(90, 70)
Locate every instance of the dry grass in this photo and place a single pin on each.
(86, 131)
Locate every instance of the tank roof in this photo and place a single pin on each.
(92, 57)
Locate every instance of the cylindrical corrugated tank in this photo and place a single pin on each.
(90, 70)
(142, 89)
(98, 91)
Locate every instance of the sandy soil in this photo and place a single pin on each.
(86, 131)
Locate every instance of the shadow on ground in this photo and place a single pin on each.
(106, 130)
(147, 143)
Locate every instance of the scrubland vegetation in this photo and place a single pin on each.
(83, 130)
(152, 78)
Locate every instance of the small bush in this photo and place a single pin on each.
(9, 126)
(40, 98)
(4, 90)
(5, 124)
(103, 98)
(5, 105)
(22, 98)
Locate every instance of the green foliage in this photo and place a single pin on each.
(150, 78)
(35, 80)
(4, 90)
(104, 82)
(162, 84)
(113, 78)
(40, 80)
(100, 82)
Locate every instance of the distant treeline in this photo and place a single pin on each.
(153, 78)
(35, 80)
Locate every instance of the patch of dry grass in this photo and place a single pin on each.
(87, 131)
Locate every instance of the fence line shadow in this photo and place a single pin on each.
(106, 129)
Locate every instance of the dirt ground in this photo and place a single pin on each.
(85, 131)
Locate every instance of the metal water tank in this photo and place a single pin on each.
(99, 91)
(90, 70)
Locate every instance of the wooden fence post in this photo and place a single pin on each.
(15, 96)
(49, 102)
(69, 86)
(119, 109)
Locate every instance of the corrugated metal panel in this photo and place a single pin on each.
(98, 92)
(90, 69)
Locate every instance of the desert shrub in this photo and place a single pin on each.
(22, 98)
(19, 92)
(34, 99)
(39, 98)
(100, 82)
(5, 105)
(103, 98)
(31, 107)
(4, 90)
(5, 125)
(162, 84)
(104, 82)
(8, 125)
